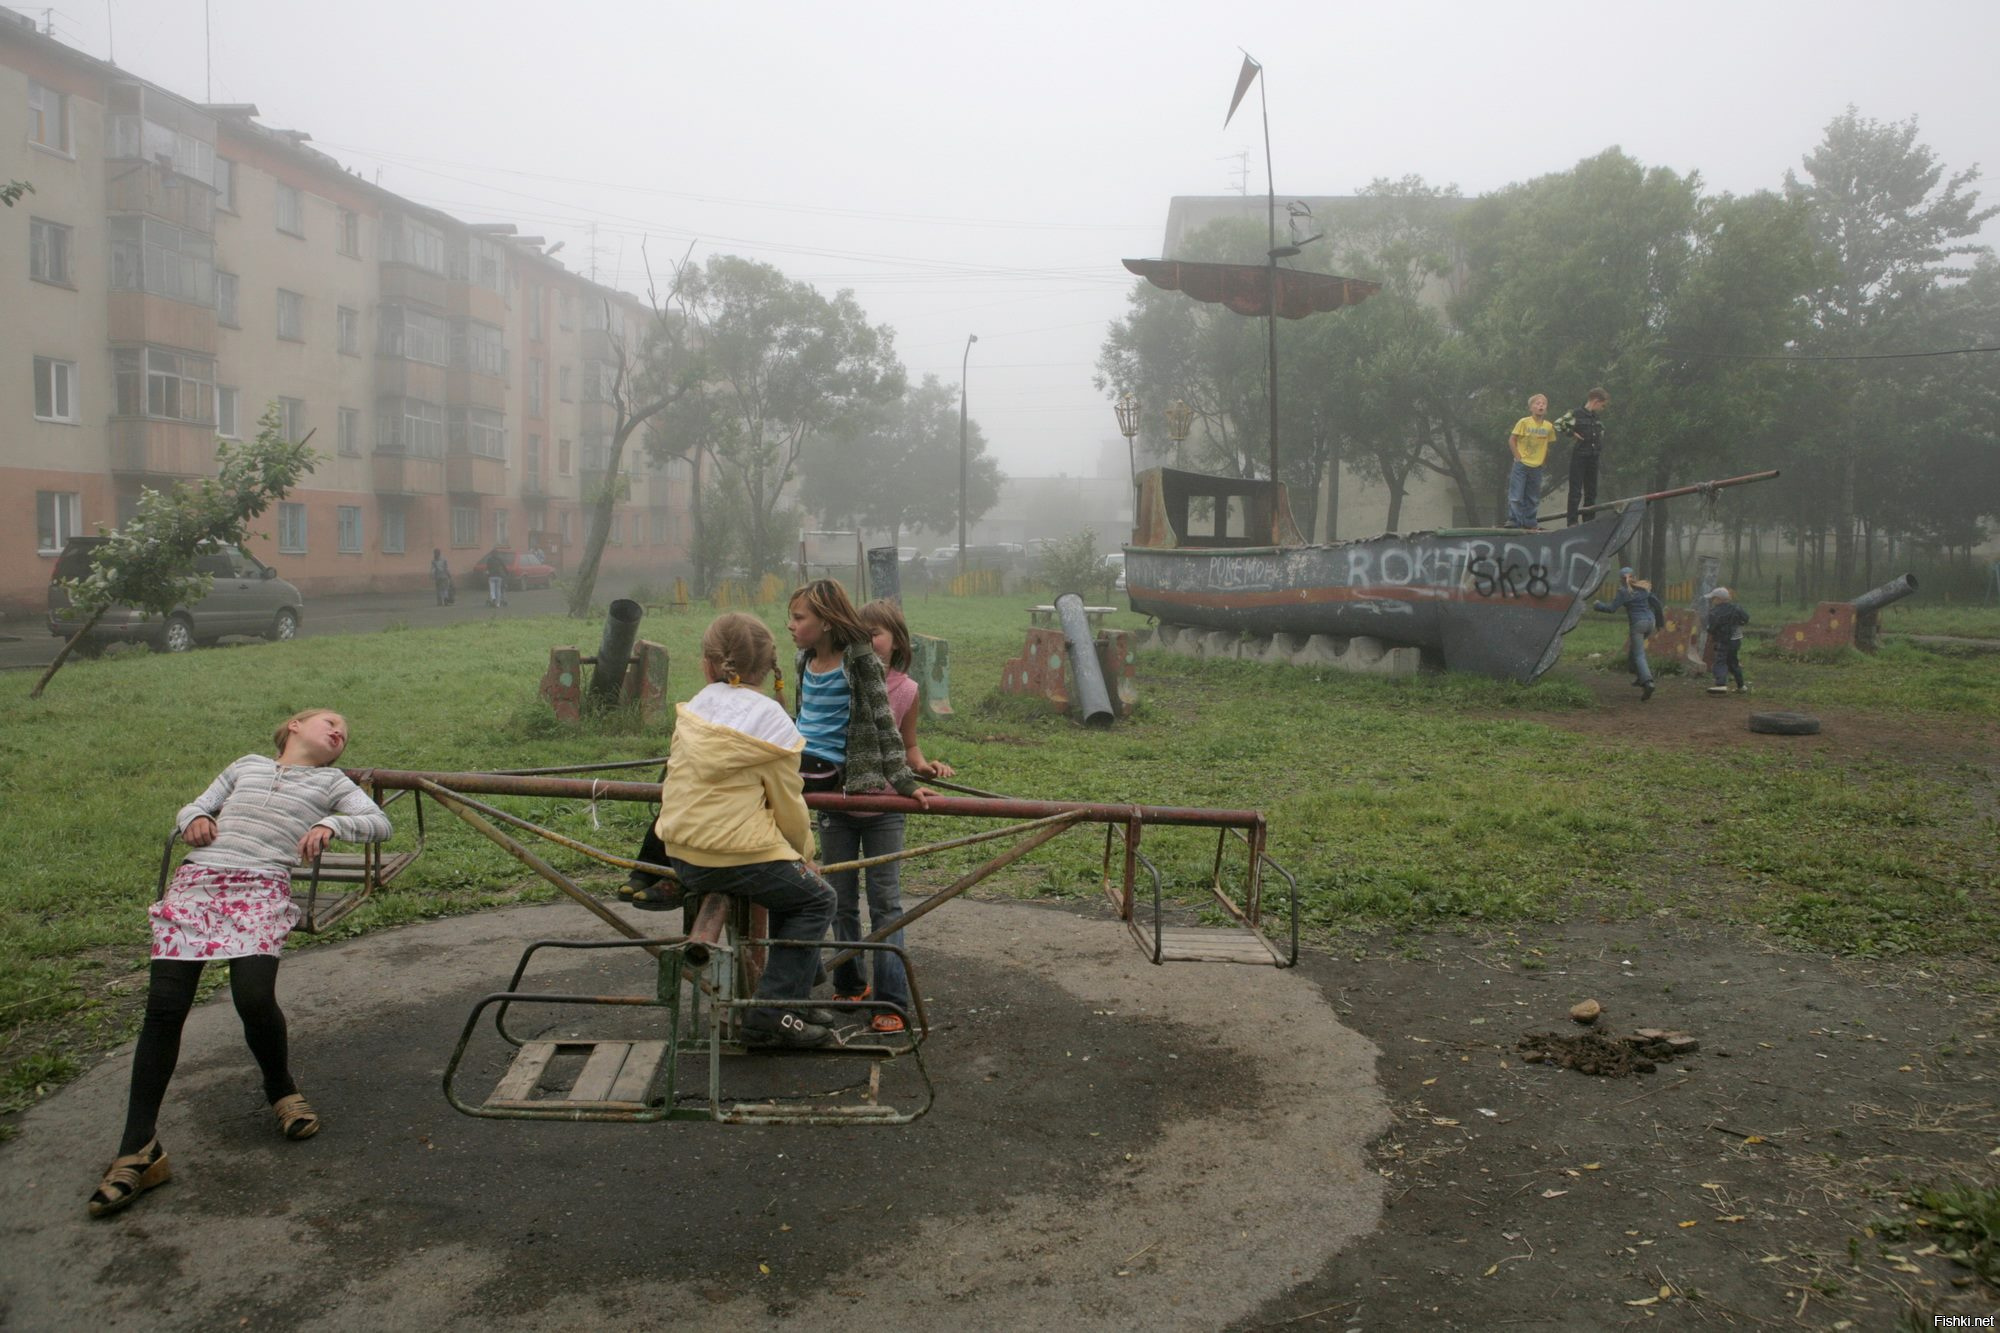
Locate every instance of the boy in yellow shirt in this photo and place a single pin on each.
(1529, 443)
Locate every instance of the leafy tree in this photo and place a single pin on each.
(895, 466)
(149, 563)
(780, 364)
(12, 191)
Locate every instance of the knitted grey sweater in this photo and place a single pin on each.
(874, 742)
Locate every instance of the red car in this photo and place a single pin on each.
(522, 572)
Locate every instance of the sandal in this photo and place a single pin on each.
(662, 895)
(296, 1118)
(128, 1177)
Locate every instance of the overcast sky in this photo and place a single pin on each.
(982, 169)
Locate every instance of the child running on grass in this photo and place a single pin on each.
(847, 836)
(853, 745)
(232, 899)
(733, 820)
(1725, 635)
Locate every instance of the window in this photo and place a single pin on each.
(48, 117)
(478, 347)
(568, 528)
(479, 431)
(348, 330)
(225, 300)
(562, 457)
(408, 241)
(225, 412)
(535, 313)
(291, 316)
(562, 383)
(153, 382)
(391, 520)
(225, 184)
(48, 252)
(531, 463)
(500, 527)
(595, 316)
(153, 256)
(292, 527)
(464, 525)
(349, 238)
(349, 432)
(410, 426)
(598, 377)
(618, 529)
(291, 211)
(413, 334)
(534, 386)
(350, 529)
(292, 420)
(479, 261)
(55, 390)
(565, 310)
(58, 517)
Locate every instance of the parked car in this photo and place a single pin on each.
(247, 597)
(522, 572)
(944, 554)
(1115, 562)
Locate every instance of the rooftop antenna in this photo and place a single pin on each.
(591, 227)
(110, 37)
(1241, 172)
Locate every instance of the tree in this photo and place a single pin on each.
(642, 385)
(1890, 237)
(895, 467)
(149, 563)
(11, 192)
(780, 364)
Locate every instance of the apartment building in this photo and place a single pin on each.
(179, 267)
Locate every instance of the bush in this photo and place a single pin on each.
(1071, 564)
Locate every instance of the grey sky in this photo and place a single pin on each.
(983, 169)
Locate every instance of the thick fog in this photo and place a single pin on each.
(982, 169)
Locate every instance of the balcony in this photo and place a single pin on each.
(469, 300)
(400, 377)
(147, 187)
(467, 388)
(175, 449)
(139, 317)
(408, 474)
(404, 282)
(475, 474)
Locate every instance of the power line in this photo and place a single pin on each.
(1804, 356)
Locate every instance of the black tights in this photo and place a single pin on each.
(253, 984)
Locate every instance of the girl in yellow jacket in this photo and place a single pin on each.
(733, 818)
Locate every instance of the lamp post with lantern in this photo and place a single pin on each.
(964, 450)
(1179, 418)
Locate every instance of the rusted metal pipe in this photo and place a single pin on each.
(576, 789)
(1092, 702)
(614, 650)
(707, 930)
(1895, 590)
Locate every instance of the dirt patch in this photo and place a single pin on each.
(1601, 1054)
(1743, 1187)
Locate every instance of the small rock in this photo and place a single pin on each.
(1586, 1011)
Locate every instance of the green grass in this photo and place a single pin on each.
(1405, 802)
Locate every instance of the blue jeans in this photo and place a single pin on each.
(1729, 660)
(843, 837)
(800, 904)
(496, 589)
(1640, 666)
(1524, 494)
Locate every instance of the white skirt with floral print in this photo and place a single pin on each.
(208, 913)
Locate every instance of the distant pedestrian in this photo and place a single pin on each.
(496, 577)
(441, 577)
(1643, 613)
(1725, 639)
(1529, 443)
(1586, 429)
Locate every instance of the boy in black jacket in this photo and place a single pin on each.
(1586, 429)
(1725, 635)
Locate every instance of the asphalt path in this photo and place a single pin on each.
(1114, 1145)
(25, 643)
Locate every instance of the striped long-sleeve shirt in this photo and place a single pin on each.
(262, 808)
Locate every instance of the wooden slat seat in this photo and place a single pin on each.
(616, 1076)
(1212, 944)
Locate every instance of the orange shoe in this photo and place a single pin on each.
(889, 1025)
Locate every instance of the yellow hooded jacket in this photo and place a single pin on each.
(733, 795)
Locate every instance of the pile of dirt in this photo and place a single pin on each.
(1606, 1056)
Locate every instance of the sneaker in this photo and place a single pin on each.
(1718, 689)
(783, 1030)
(1646, 691)
(888, 1025)
(1743, 688)
(820, 1017)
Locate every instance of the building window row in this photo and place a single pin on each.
(48, 117)
(55, 390)
(478, 347)
(349, 242)
(350, 529)
(292, 528)
(479, 431)
(291, 316)
(350, 432)
(464, 525)
(225, 300)
(348, 330)
(49, 252)
(291, 210)
(157, 257)
(227, 424)
(292, 420)
(173, 386)
(58, 517)
(408, 241)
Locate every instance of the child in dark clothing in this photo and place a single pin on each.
(1725, 635)
(1586, 429)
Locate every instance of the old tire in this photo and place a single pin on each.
(1784, 724)
(284, 625)
(177, 635)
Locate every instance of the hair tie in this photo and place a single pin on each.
(735, 679)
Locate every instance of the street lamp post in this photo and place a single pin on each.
(1127, 409)
(964, 449)
(1179, 418)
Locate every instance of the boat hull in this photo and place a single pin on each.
(1492, 602)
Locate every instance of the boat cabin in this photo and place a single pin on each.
(1179, 509)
